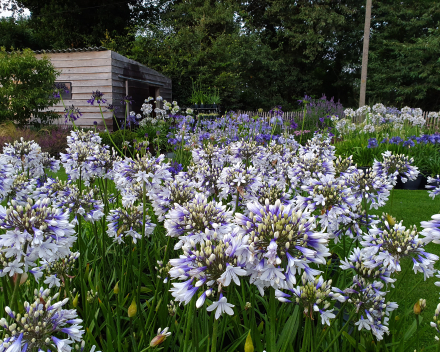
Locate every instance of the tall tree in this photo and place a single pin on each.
(404, 67)
(60, 24)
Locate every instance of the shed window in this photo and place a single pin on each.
(65, 89)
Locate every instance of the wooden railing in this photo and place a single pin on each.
(297, 115)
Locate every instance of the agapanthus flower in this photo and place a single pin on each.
(22, 188)
(189, 221)
(23, 156)
(433, 186)
(85, 203)
(81, 146)
(124, 222)
(36, 230)
(221, 306)
(56, 271)
(142, 169)
(45, 325)
(370, 305)
(370, 186)
(367, 267)
(212, 263)
(393, 165)
(390, 243)
(313, 296)
(72, 113)
(283, 241)
(332, 198)
(98, 97)
(178, 191)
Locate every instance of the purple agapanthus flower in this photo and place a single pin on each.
(127, 100)
(72, 113)
(98, 97)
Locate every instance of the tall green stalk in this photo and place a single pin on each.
(272, 341)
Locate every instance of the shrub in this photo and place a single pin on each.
(26, 88)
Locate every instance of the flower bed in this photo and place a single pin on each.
(246, 240)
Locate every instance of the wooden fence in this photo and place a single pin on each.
(431, 122)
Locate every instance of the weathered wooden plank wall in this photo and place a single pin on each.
(87, 71)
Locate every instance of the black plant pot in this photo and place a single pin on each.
(399, 183)
(423, 183)
(413, 185)
(214, 106)
(202, 106)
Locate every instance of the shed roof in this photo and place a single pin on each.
(91, 48)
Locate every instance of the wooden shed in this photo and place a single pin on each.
(97, 68)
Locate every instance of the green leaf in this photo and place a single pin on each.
(289, 331)
(353, 342)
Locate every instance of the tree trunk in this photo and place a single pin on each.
(365, 53)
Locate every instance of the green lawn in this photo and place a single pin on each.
(413, 207)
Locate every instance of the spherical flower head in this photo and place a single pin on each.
(313, 296)
(42, 325)
(172, 193)
(390, 243)
(370, 305)
(124, 222)
(282, 238)
(36, 230)
(197, 216)
(366, 267)
(58, 271)
(22, 155)
(86, 204)
(151, 170)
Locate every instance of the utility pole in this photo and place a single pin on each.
(365, 53)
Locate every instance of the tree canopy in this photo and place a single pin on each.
(258, 53)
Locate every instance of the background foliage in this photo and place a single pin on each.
(259, 53)
(26, 87)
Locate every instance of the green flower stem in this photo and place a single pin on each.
(141, 263)
(106, 129)
(339, 332)
(189, 319)
(214, 336)
(330, 327)
(272, 342)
